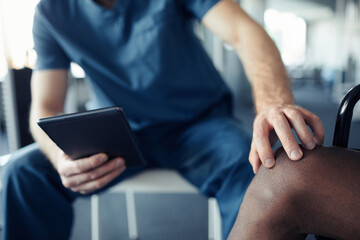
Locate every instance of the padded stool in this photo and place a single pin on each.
(153, 181)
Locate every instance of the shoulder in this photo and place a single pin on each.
(52, 4)
(197, 8)
(55, 8)
(55, 12)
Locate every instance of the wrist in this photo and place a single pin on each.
(53, 153)
(261, 107)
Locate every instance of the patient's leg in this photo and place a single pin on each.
(319, 194)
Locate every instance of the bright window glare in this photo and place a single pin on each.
(3, 65)
(16, 42)
(289, 33)
(17, 19)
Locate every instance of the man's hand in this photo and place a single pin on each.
(276, 122)
(270, 84)
(89, 174)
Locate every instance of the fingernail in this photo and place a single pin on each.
(310, 145)
(269, 163)
(103, 157)
(296, 155)
(119, 163)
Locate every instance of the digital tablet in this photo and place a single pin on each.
(83, 134)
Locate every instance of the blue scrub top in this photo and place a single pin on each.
(141, 55)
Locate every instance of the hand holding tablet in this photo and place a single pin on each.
(87, 133)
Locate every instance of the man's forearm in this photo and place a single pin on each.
(48, 91)
(258, 53)
(49, 148)
(270, 83)
(264, 68)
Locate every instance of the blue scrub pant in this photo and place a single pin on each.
(211, 152)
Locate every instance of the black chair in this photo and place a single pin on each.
(343, 123)
(344, 117)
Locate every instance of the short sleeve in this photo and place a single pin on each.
(198, 8)
(49, 53)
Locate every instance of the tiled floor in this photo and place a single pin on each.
(160, 216)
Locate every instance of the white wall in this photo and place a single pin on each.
(326, 44)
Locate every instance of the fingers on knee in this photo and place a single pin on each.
(287, 171)
(288, 179)
(285, 182)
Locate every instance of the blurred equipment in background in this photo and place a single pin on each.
(16, 60)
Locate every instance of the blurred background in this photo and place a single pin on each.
(319, 41)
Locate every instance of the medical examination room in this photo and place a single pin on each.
(179, 119)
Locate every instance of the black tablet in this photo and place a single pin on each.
(104, 130)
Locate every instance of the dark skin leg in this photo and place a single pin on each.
(319, 194)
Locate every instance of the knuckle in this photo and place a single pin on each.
(94, 162)
(251, 155)
(293, 113)
(252, 160)
(61, 172)
(259, 123)
(307, 139)
(92, 176)
(307, 134)
(316, 118)
(257, 134)
(252, 147)
(260, 128)
(77, 168)
(276, 118)
(68, 183)
(256, 124)
(274, 110)
(260, 117)
(65, 183)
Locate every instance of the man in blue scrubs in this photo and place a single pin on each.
(145, 57)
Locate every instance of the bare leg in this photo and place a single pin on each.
(319, 194)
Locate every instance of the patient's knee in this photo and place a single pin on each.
(272, 199)
(281, 199)
(280, 189)
(292, 176)
(286, 178)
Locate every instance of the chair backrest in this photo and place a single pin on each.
(344, 117)
(343, 123)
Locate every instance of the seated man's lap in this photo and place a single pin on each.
(212, 154)
(206, 151)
